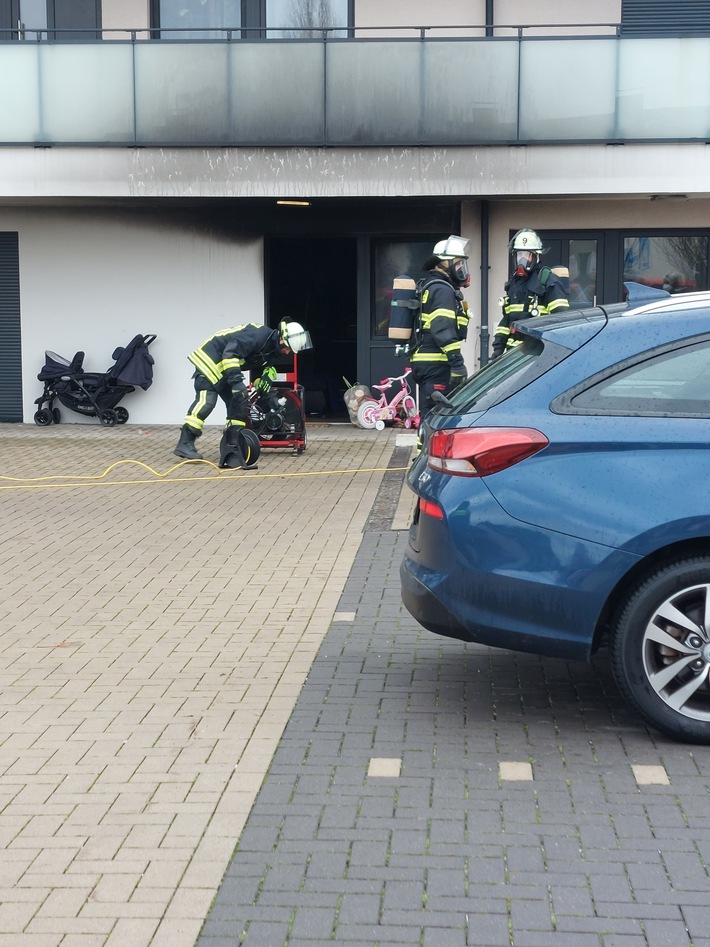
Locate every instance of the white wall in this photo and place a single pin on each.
(91, 279)
(371, 13)
(121, 15)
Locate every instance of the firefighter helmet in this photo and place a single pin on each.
(454, 252)
(294, 336)
(526, 239)
(452, 248)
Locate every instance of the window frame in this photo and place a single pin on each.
(253, 17)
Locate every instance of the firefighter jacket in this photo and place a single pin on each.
(230, 352)
(540, 293)
(443, 324)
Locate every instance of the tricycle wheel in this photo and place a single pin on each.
(43, 417)
(367, 413)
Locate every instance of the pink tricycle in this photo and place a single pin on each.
(373, 413)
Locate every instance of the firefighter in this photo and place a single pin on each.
(437, 362)
(532, 290)
(220, 363)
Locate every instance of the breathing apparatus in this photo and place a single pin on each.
(526, 248)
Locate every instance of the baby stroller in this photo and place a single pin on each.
(94, 394)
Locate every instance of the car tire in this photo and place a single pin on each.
(660, 649)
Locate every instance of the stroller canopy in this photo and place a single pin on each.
(134, 363)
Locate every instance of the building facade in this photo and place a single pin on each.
(177, 166)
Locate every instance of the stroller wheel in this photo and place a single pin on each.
(56, 416)
(121, 415)
(108, 417)
(43, 417)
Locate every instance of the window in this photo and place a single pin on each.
(278, 19)
(673, 384)
(198, 19)
(674, 263)
(303, 18)
(392, 259)
(39, 19)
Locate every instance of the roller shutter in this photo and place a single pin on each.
(10, 349)
(664, 17)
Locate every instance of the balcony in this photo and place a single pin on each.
(356, 92)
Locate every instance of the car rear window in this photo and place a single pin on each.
(674, 382)
(502, 377)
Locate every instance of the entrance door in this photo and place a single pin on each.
(10, 350)
(314, 280)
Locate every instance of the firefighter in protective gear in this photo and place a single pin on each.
(437, 362)
(220, 363)
(532, 290)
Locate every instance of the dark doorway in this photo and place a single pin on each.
(313, 280)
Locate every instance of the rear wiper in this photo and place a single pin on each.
(441, 399)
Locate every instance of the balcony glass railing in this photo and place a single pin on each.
(356, 92)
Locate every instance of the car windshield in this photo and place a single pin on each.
(504, 376)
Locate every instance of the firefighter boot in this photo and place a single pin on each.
(186, 445)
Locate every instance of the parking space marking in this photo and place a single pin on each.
(512, 771)
(650, 775)
(384, 767)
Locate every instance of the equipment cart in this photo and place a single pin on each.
(278, 416)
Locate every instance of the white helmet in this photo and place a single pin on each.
(526, 239)
(452, 248)
(454, 251)
(295, 336)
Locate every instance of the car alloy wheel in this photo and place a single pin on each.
(660, 649)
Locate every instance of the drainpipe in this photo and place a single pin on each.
(485, 267)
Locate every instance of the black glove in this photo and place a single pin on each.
(458, 377)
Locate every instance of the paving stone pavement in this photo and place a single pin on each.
(219, 727)
(428, 792)
(157, 621)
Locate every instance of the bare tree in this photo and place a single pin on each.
(689, 254)
(310, 17)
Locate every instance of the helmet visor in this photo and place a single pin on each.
(299, 341)
(459, 269)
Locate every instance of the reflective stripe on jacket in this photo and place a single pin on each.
(229, 352)
(443, 324)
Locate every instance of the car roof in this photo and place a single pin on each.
(574, 326)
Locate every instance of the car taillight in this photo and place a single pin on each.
(480, 451)
(429, 508)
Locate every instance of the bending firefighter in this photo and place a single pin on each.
(532, 290)
(437, 362)
(220, 363)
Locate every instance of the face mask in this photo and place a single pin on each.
(459, 272)
(524, 261)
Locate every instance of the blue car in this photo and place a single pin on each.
(563, 502)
